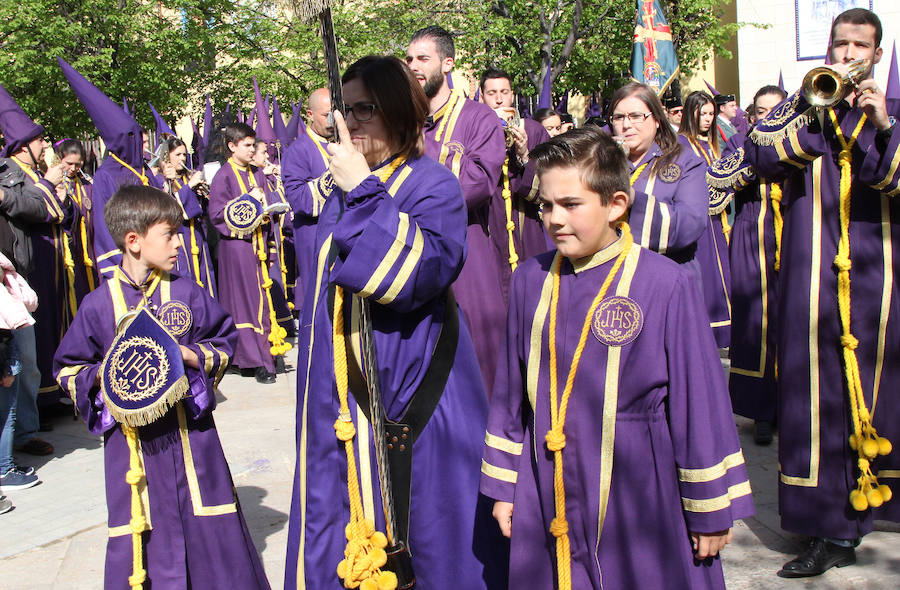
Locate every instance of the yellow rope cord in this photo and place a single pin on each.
(864, 440)
(510, 224)
(726, 227)
(141, 176)
(69, 263)
(195, 248)
(135, 476)
(775, 196)
(88, 262)
(555, 438)
(637, 172)
(364, 555)
(283, 264)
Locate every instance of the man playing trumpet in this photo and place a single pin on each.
(836, 358)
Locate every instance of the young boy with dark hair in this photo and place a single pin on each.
(174, 517)
(610, 429)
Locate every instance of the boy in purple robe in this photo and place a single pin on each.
(466, 137)
(610, 449)
(837, 341)
(391, 230)
(188, 527)
(245, 283)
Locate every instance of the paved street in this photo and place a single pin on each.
(55, 538)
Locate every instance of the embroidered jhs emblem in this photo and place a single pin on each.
(455, 147)
(176, 317)
(617, 321)
(670, 173)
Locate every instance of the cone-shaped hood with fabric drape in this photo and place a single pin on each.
(18, 128)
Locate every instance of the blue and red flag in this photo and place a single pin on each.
(653, 59)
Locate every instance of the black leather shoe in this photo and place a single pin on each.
(762, 433)
(279, 365)
(817, 559)
(263, 376)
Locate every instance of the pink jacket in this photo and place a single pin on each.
(17, 299)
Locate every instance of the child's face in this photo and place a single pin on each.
(158, 248)
(574, 216)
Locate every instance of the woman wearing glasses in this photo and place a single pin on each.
(699, 134)
(669, 213)
(392, 230)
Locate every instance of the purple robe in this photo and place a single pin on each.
(818, 468)
(240, 273)
(712, 257)
(198, 537)
(466, 137)
(304, 162)
(651, 449)
(401, 243)
(80, 233)
(754, 280)
(669, 212)
(193, 236)
(110, 177)
(529, 236)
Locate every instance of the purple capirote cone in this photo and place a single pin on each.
(18, 128)
(120, 132)
(264, 130)
(893, 81)
(281, 132)
(161, 125)
(295, 125)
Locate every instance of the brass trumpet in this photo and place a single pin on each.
(824, 86)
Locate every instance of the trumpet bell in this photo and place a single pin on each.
(824, 86)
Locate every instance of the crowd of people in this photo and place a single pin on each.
(475, 250)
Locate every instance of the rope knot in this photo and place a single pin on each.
(849, 341)
(138, 524)
(556, 440)
(863, 465)
(842, 262)
(139, 577)
(134, 477)
(559, 527)
(344, 429)
(845, 157)
(195, 250)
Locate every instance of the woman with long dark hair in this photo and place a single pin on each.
(80, 231)
(670, 202)
(189, 188)
(699, 133)
(392, 230)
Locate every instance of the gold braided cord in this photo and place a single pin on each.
(510, 224)
(364, 554)
(864, 440)
(69, 263)
(637, 172)
(726, 227)
(775, 196)
(88, 263)
(141, 176)
(555, 437)
(135, 477)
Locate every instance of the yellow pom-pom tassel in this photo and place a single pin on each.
(379, 557)
(368, 584)
(342, 569)
(378, 540)
(874, 498)
(853, 443)
(886, 493)
(884, 446)
(387, 581)
(858, 501)
(870, 448)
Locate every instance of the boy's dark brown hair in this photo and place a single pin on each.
(137, 208)
(600, 161)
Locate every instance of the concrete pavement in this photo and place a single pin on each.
(55, 537)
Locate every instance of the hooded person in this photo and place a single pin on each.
(34, 214)
(124, 165)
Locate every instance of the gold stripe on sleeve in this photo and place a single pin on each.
(507, 475)
(502, 444)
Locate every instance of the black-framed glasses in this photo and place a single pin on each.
(634, 118)
(361, 111)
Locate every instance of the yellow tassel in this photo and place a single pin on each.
(775, 195)
(364, 553)
(865, 440)
(135, 477)
(510, 224)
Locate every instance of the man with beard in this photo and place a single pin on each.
(466, 137)
(515, 223)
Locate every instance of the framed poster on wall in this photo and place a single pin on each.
(813, 18)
